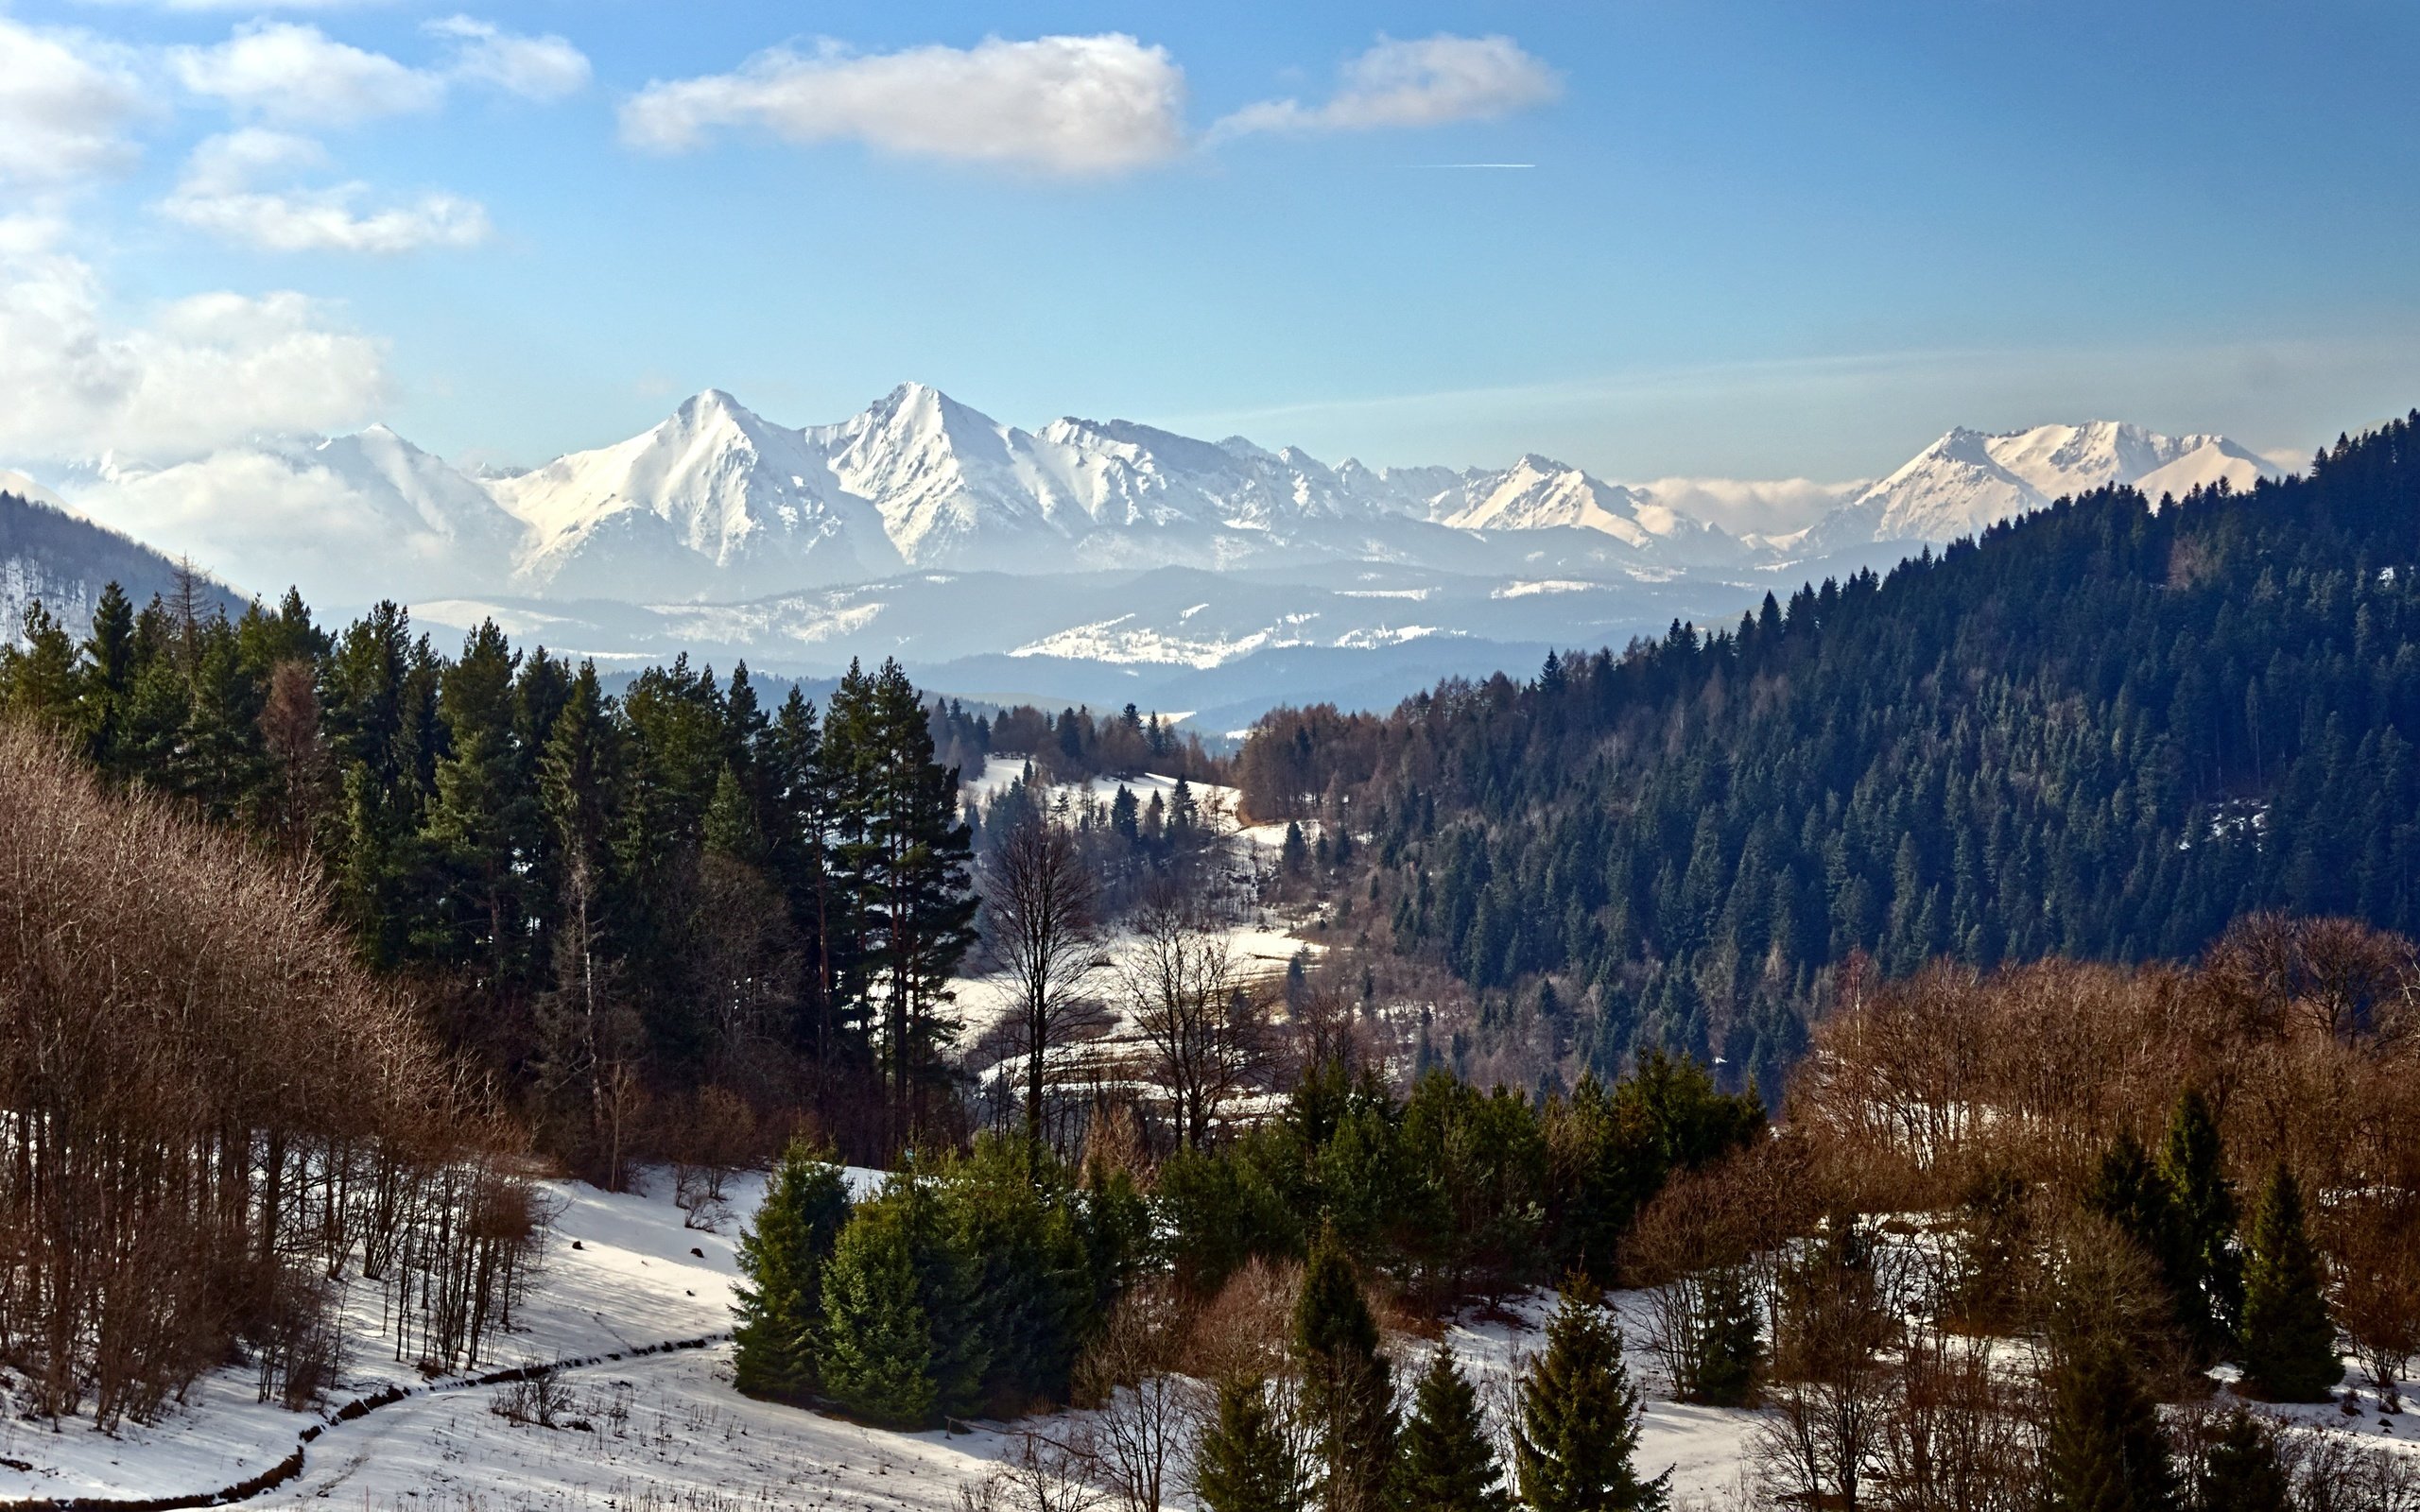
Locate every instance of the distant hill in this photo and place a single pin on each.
(64, 562)
(2103, 731)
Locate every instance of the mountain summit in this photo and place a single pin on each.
(1968, 479)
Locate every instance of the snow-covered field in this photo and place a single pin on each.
(667, 1430)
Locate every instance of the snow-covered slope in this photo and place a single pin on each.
(714, 499)
(1968, 479)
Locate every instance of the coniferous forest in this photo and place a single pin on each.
(2101, 732)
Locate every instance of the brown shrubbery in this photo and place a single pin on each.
(209, 1113)
(2300, 1033)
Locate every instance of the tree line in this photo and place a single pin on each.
(618, 904)
(212, 1117)
(2103, 730)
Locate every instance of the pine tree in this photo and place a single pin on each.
(877, 1344)
(2105, 1453)
(902, 853)
(1730, 1345)
(2203, 1205)
(1577, 1434)
(2289, 1340)
(1447, 1462)
(39, 681)
(1244, 1461)
(783, 1255)
(1348, 1393)
(106, 681)
(2241, 1472)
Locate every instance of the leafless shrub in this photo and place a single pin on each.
(716, 1135)
(1241, 1334)
(2374, 1238)
(1954, 1433)
(539, 1399)
(1841, 1312)
(1146, 1411)
(1039, 1472)
(2333, 1471)
(1702, 1243)
(296, 1344)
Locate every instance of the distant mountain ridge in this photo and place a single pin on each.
(1969, 479)
(718, 505)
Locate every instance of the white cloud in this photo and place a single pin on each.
(1431, 82)
(264, 517)
(283, 72)
(1067, 105)
(65, 101)
(221, 192)
(1771, 507)
(201, 372)
(539, 68)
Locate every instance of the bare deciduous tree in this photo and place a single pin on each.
(1042, 924)
(1203, 1027)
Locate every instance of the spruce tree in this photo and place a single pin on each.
(2289, 1341)
(1447, 1462)
(2105, 1453)
(877, 1347)
(1348, 1393)
(1243, 1462)
(2241, 1472)
(1730, 1345)
(2130, 1192)
(1577, 1434)
(783, 1257)
(2203, 1205)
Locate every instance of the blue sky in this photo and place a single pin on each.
(1756, 239)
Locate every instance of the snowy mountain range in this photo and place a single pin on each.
(1968, 480)
(719, 503)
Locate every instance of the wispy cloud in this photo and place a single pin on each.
(537, 68)
(223, 192)
(1066, 105)
(1433, 82)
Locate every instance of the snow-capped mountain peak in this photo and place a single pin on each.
(1970, 480)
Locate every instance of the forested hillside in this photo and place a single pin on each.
(672, 909)
(2101, 732)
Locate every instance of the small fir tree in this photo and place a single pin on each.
(2289, 1341)
(877, 1346)
(2203, 1205)
(2130, 1192)
(1348, 1395)
(1731, 1348)
(1244, 1461)
(2105, 1453)
(783, 1258)
(1577, 1436)
(1447, 1463)
(2240, 1474)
